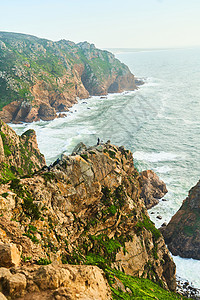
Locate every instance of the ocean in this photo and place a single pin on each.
(159, 123)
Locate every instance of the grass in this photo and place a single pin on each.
(137, 288)
(148, 224)
(44, 261)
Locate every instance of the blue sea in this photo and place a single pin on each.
(159, 123)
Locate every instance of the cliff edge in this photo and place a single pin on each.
(39, 77)
(78, 228)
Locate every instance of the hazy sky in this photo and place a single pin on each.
(106, 23)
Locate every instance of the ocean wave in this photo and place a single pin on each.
(162, 169)
(188, 268)
(156, 156)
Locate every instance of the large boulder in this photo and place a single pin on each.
(9, 255)
(55, 282)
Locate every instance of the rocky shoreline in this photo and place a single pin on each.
(39, 78)
(186, 288)
(83, 210)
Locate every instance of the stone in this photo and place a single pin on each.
(2, 297)
(9, 255)
(95, 191)
(49, 277)
(182, 233)
(153, 188)
(15, 285)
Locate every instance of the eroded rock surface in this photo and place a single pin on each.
(55, 282)
(153, 188)
(87, 210)
(19, 155)
(182, 234)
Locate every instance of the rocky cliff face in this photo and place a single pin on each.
(19, 155)
(86, 210)
(153, 188)
(39, 77)
(182, 232)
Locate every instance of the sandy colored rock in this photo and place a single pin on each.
(2, 297)
(9, 255)
(85, 206)
(15, 285)
(153, 188)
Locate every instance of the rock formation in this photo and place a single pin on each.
(39, 77)
(182, 234)
(55, 282)
(19, 155)
(153, 188)
(85, 209)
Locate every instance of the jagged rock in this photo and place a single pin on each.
(56, 282)
(153, 188)
(15, 285)
(46, 112)
(9, 255)
(86, 208)
(182, 232)
(21, 153)
(79, 148)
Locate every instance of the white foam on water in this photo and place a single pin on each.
(157, 156)
(188, 269)
(162, 169)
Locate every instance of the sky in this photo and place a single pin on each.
(106, 23)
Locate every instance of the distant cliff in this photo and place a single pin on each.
(39, 77)
(182, 234)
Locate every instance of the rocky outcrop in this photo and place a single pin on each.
(39, 77)
(55, 282)
(87, 209)
(19, 155)
(153, 188)
(9, 255)
(182, 233)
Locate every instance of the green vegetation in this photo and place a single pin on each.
(48, 176)
(29, 207)
(7, 151)
(84, 156)
(136, 288)
(27, 60)
(148, 224)
(111, 153)
(26, 258)
(44, 261)
(4, 195)
(6, 173)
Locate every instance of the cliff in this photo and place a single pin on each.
(39, 77)
(182, 232)
(19, 155)
(80, 229)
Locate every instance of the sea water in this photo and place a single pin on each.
(159, 123)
